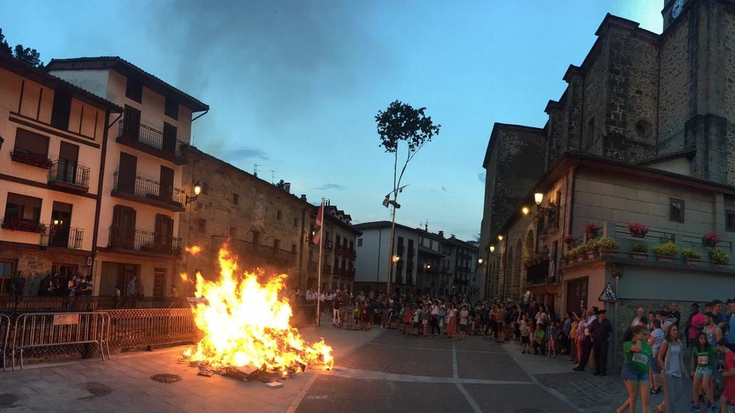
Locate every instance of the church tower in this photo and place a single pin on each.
(697, 81)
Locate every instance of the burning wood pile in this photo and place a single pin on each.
(246, 331)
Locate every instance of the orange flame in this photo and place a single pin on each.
(195, 250)
(246, 323)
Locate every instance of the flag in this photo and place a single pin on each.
(317, 238)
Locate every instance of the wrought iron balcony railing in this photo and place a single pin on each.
(151, 137)
(145, 241)
(70, 173)
(63, 236)
(150, 189)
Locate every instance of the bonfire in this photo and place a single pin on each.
(245, 324)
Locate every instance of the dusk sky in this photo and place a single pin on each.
(294, 85)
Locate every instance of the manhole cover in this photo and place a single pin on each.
(530, 411)
(166, 378)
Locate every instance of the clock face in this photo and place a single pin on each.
(676, 10)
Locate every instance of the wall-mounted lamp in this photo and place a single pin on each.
(197, 191)
(525, 210)
(500, 237)
(538, 197)
(492, 249)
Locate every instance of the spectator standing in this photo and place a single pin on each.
(696, 325)
(19, 286)
(702, 364)
(728, 396)
(636, 363)
(675, 315)
(731, 325)
(656, 341)
(600, 331)
(539, 335)
(463, 321)
(673, 369)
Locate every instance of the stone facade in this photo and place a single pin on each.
(263, 224)
(637, 97)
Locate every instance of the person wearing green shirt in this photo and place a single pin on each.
(703, 362)
(538, 339)
(637, 357)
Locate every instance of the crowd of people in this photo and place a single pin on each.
(660, 349)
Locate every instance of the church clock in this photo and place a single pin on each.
(676, 10)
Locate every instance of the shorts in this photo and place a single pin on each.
(702, 371)
(631, 374)
(525, 340)
(655, 367)
(729, 392)
(463, 328)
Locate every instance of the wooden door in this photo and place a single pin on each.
(131, 123)
(127, 172)
(164, 233)
(68, 156)
(122, 233)
(166, 189)
(169, 138)
(577, 295)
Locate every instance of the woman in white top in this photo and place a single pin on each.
(541, 316)
(673, 369)
(640, 314)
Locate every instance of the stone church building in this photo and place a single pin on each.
(644, 133)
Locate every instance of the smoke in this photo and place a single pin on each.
(265, 62)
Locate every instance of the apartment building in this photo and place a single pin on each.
(338, 266)
(53, 138)
(141, 194)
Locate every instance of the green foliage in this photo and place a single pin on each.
(592, 246)
(641, 247)
(401, 122)
(689, 253)
(608, 243)
(4, 46)
(29, 56)
(719, 257)
(668, 249)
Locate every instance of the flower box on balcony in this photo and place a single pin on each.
(33, 159)
(639, 255)
(24, 225)
(692, 262)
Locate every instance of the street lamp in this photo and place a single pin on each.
(479, 261)
(396, 258)
(538, 197)
(197, 191)
(525, 210)
(492, 249)
(500, 237)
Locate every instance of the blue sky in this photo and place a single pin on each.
(294, 85)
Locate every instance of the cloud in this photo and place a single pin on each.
(327, 187)
(246, 153)
(481, 177)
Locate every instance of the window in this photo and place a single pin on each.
(202, 225)
(64, 270)
(233, 232)
(7, 269)
(276, 243)
(730, 220)
(293, 248)
(676, 210)
(29, 142)
(159, 281)
(279, 215)
(352, 245)
(61, 110)
(172, 108)
(134, 89)
(21, 207)
(235, 199)
(359, 242)
(296, 222)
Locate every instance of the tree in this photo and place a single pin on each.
(4, 46)
(29, 56)
(401, 123)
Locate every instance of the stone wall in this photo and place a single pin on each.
(675, 79)
(36, 264)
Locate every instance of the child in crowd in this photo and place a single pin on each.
(463, 321)
(538, 339)
(417, 320)
(525, 337)
(551, 333)
(425, 322)
(703, 358)
(407, 315)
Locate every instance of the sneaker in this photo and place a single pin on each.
(715, 409)
(694, 409)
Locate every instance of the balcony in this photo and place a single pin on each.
(144, 242)
(148, 191)
(31, 158)
(69, 175)
(24, 225)
(151, 141)
(62, 236)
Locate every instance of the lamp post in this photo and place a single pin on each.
(197, 191)
(386, 203)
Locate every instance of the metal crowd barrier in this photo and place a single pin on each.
(134, 328)
(34, 330)
(4, 334)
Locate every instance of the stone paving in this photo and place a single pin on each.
(376, 371)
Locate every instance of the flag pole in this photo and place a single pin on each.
(319, 269)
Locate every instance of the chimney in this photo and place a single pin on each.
(287, 187)
(441, 234)
(303, 197)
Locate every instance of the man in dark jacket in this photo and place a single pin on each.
(600, 331)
